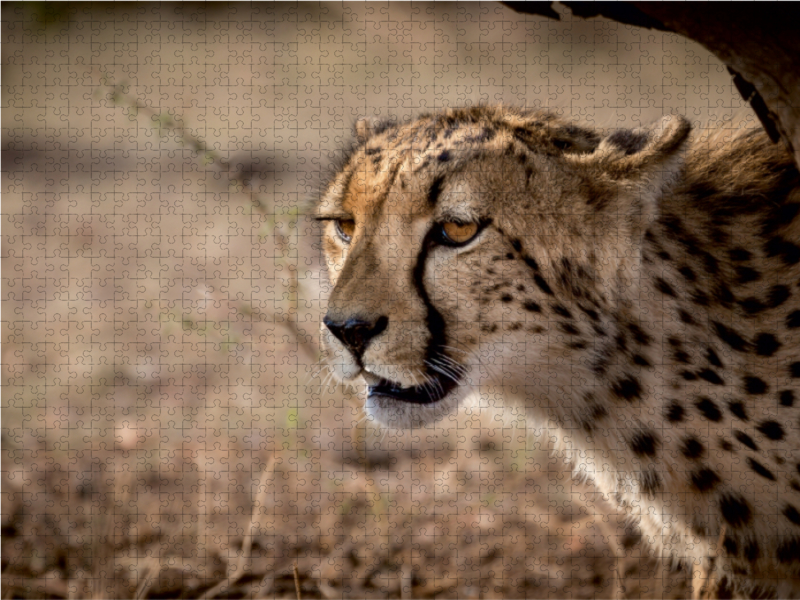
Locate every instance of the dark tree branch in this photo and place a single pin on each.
(758, 42)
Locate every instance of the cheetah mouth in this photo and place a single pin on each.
(435, 388)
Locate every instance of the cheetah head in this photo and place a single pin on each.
(454, 242)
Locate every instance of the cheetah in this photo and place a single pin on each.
(636, 291)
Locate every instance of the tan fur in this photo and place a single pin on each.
(635, 291)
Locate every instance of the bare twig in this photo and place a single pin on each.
(297, 581)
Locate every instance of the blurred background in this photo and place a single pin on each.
(167, 430)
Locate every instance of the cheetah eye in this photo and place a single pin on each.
(345, 229)
(452, 233)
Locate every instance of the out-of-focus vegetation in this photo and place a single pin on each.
(165, 429)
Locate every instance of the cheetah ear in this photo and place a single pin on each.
(367, 127)
(630, 168)
(649, 153)
(626, 176)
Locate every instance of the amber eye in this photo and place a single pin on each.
(345, 228)
(457, 234)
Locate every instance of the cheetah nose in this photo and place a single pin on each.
(356, 333)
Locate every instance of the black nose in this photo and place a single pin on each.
(356, 333)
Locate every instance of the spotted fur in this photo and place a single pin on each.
(636, 291)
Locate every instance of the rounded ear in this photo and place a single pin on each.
(637, 153)
(629, 172)
(368, 127)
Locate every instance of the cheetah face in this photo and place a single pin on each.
(396, 315)
(444, 238)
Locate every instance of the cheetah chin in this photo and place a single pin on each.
(402, 407)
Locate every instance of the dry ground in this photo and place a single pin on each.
(165, 433)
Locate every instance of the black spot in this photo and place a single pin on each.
(688, 375)
(708, 409)
(740, 254)
(791, 513)
(787, 398)
(711, 377)
(789, 551)
(622, 343)
(724, 295)
(542, 284)
(771, 430)
(725, 445)
(444, 156)
(760, 469)
(712, 266)
(685, 317)
(778, 218)
(735, 509)
(531, 262)
(793, 320)
(506, 298)
(674, 412)
(649, 482)
(640, 336)
(752, 306)
(531, 306)
(794, 370)
(700, 298)
(766, 344)
(641, 360)
(681, 357)
(754, 385)
(745, 439)
(730, 545)
(665, 288)
(704, 480)
(568, 328)
(692, 448)
(596, 412)
(746, 275)
(788, 251)
(738, 410)
(687, 273)
(751, 551)
(592, 314)
(560, 310)
(730, 337)
(712, 358)
(778, 294)
(628, 388)
(645, 443)
(664, 255)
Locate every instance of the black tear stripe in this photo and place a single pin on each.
(433, 319)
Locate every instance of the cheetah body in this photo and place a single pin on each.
(637, 292)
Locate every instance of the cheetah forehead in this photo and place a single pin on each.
(413, 160)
